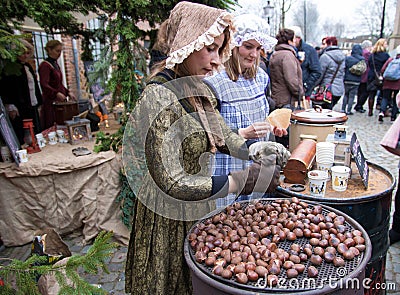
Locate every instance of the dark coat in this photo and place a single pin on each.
(14, 89)
(311, 67)
(379, 59)
(354, 58)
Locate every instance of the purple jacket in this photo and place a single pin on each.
(364, 77)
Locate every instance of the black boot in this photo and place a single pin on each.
(370, 107)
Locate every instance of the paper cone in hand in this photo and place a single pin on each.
(280, 118)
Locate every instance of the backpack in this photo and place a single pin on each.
(359, 68)
(392, 71)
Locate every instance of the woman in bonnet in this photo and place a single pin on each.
(241, 92)
(168, 141)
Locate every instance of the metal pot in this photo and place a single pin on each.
(316, 122)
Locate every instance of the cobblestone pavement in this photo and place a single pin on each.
(369, 133)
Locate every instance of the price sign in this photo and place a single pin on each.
(359, 158)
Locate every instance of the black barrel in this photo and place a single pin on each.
(369, 207)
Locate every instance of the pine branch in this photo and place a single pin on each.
(27, 272)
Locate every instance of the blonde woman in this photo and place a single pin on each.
(376, 61)
(240, 89)
(51, 82)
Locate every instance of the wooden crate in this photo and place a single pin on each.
(64, 111)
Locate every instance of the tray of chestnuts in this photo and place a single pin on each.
(267, 244)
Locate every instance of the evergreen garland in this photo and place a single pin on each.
(27, 272)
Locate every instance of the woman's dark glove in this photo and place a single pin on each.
(261, 176)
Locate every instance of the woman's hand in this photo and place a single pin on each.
(60, 97)
(279, 132)
(72, 96)
(256, 130)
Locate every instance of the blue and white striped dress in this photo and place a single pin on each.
(242, 103)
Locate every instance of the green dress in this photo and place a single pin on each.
(175, 147)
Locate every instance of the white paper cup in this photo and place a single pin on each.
(317, 180)
(324, 166)
(22, 155)
(5, 154)
(61, 136)
(52, 138)
(340, 177)
(40, 140)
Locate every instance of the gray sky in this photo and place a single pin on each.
(334, 11)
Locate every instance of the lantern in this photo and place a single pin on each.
(29, 137)
(79, 130)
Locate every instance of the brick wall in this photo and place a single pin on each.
(68, 53)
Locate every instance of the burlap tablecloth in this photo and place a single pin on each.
(56, 189)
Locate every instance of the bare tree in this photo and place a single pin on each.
(306, 16)
(370, 17)
(283, 6)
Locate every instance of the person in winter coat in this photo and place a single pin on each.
(20, 93)
(310, 65)
(285, 69)
(376, 61)
(333, 66)
(362, 93)
(286, 76)
(351, 80)
(390, 89)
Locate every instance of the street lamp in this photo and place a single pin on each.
(268, 11)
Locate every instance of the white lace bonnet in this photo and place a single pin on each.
(251, 26)
(192, 26)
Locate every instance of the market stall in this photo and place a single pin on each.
(57, 189)
(327, 166)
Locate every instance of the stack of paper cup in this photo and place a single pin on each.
(325, 155)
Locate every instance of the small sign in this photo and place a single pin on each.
(359, 158)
